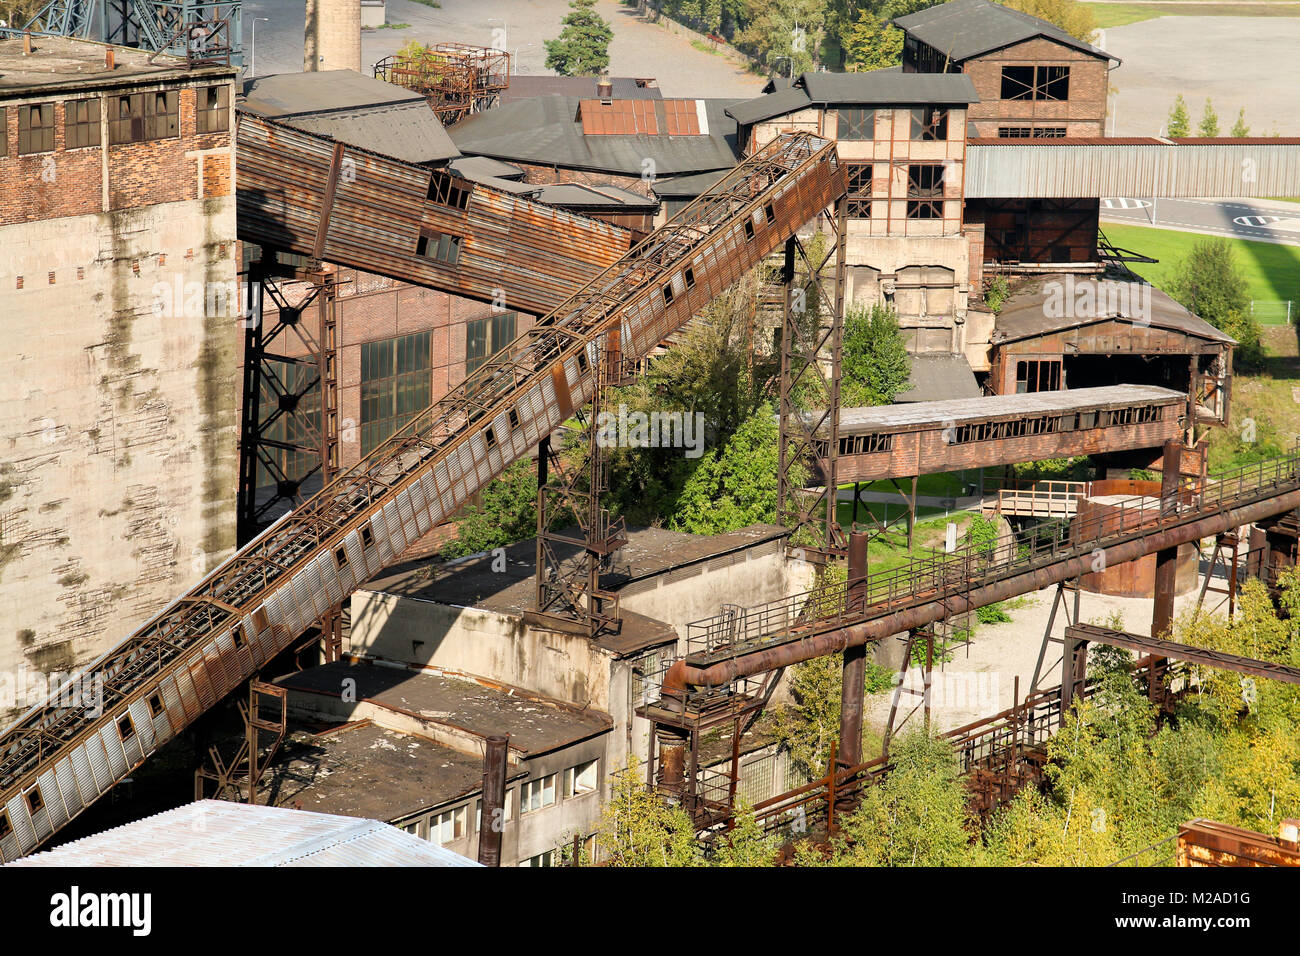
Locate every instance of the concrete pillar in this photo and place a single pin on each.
(855, 661)
(332, 35)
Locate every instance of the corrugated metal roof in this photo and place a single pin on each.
(918, 415)
(961, 29)
(352, 109)
(887, 87)
(1056, 169)
(546, 130)
(940, 377)
(476, 168)
(1025, 313)
(624, 87)
(217, 833)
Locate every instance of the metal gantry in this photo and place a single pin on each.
(56, 760)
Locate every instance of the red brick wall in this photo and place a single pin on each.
(1083, 114)
(70, 182)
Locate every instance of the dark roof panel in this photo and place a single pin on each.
(938, 378)
(889, 87)
(624, 87)
(961, 29)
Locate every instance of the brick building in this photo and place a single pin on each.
(1034, 80)
(118, 389)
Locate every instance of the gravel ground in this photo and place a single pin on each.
(639, 48)
(1235, 61)
(980, 680)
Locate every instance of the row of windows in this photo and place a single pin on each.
(132, 118)
(396, 385)
(1031, 132)
(442, 828)
(1018, 428)
(924, 190)
(927, 123)
(486, 336)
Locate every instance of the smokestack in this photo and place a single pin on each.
(605, 89)
(494, 798)
(110, 59)
(332, 35)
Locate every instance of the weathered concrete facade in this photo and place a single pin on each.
(117, 404)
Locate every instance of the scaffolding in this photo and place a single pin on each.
(457, 79)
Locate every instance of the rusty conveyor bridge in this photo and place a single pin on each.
(57, 760)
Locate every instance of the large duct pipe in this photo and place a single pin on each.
(795, 652)
(494, 799)
(332, 36)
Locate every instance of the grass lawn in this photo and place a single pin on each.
(1263, 405)
(1272, 271)
(882, 554)
(1121, 14)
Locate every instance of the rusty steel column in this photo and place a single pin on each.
(1162, 615)
(494, 800)
(855, 660)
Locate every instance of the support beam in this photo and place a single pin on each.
(1184, 652)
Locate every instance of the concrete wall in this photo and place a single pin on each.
(118, 427)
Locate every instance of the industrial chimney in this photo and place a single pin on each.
(332, 39)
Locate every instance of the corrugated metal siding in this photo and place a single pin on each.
(1053, 171)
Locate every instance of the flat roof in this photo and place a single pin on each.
(221, 833)
(536, 726)
(362, 770)
(64, 62)
(921, 415)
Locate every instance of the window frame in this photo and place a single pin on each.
(925, 201)
(212, 119)
(1040, 82)
(861, 186)
(929, 124)
(45, 130)
(573, 774)
(532, 793)
(74, 124)
(396, 377)
(855, 124)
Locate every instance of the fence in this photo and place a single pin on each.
(1273, 311)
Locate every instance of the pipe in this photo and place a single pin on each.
(784, 655)
(494, 800)
(855, 660)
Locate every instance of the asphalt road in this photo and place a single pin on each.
(1257, 219)
(520, 26)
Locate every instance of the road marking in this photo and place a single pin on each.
(1125, 204)
(1256, 220)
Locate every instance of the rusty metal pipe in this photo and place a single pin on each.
(494, 800)
(795, 652)
(855, 661)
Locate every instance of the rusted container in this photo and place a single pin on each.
(1109, 507)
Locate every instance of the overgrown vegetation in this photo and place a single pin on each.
(874, 364)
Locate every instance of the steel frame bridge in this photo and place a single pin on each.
(57, 760)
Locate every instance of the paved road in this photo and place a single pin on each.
(1258, 219)
(1235, 61)
(521, 26)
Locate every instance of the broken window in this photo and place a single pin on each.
(80, 123)
(925, 191)
(580, 779)
(446, 191)
(448, 826)
(1035, 82)
(1042, 375)
(438, 246)
(859, 203)
(35, 129)
(856, 124)
(139, 117)
(929, 123)
(212, 109)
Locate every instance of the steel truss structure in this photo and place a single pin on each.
(457, 79)
(812, 328)
(202, 32)
(56, 760)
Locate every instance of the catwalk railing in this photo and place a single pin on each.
(57, 759)
(740, 631)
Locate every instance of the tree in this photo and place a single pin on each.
(1209, 283)
(746, 844)
(1239, 128)
(507, 513)
(785, 34)
(1209, 125)
(1075, 19)
(870, 43)
(1179, 124)
(874, 364)
(582, 48)
(639, 829)
(736, 485)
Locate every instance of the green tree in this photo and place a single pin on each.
(506, 513)
(733, 486)
(1239, 128)
(1209, 125)
(870, 43)
(874, 364)
(1074, 18)
(746, 844)
(1179, 123)
(1210, 283)
(639, 829)
(582, 48)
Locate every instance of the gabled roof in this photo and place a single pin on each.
(888, 87)
(548, 130)
(961, 29)
(352, 109)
